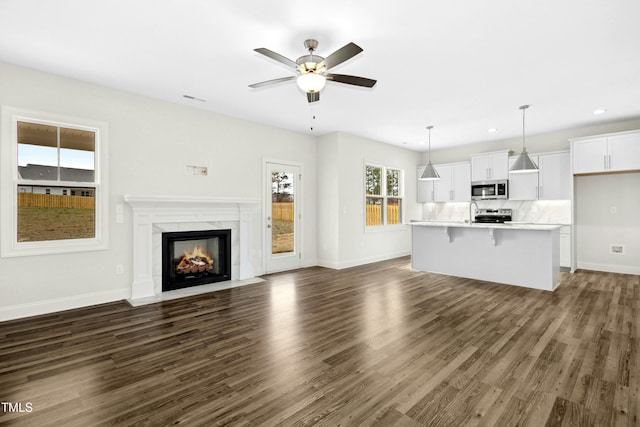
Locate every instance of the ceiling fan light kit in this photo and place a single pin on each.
(311, 82)
(312, 69)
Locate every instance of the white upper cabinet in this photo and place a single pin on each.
(523, 186)
(551, 182)
(490, 166)
(425, 187)
(454, 184)
(606, 153)
(624, 152)
(554, 178)
(444, 186)
(461, 182)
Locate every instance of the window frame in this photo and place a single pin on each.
(383, 196)
(9, 183)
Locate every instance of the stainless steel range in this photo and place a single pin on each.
(493, 215)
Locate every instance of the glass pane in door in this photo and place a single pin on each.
(282, 212)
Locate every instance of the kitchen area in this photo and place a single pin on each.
(577, 211)
(480, 221)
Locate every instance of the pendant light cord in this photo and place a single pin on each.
(523, 108)
(429, 129)
(523, 133)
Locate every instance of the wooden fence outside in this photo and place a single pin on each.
(55, 201)
(374, 214)
(282, 211)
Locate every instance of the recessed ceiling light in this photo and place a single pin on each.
(492, 130)
(423, 143)
(599, 111)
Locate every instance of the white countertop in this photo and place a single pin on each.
(507, 226)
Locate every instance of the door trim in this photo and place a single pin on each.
(300, 212)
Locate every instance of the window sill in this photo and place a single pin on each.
(52, 247)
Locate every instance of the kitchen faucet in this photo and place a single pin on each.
(470, 205)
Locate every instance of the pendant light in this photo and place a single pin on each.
(430, 172)
(523, 163)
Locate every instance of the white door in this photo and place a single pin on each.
(282, 217)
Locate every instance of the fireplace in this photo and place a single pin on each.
(192, 258)
(154, 215)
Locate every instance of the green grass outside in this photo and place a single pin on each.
(36, 224)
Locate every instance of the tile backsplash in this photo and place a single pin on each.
(533, 211)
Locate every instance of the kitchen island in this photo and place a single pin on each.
(515, 254)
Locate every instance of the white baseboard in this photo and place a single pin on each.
(609, 268)
(60, 304)
(339, 265)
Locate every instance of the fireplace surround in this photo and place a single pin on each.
(154, 215)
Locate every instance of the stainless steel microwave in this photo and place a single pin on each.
(490, 190)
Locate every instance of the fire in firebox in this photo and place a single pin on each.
(196, 261)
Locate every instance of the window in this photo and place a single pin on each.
(54, 197)
(383, 195)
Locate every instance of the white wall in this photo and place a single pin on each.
(357, 245)
(597, 227)
(328, 200)
(150, 144)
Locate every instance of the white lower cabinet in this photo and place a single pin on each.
(565, 246)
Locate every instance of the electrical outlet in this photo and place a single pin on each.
(617, 249)
(119, 269)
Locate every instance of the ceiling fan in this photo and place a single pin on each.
(311, 70)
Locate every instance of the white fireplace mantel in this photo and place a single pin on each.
(152, 211)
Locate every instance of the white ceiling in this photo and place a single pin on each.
(463, 66)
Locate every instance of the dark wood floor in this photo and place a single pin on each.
(376, 344)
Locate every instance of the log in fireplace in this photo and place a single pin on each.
(192, 258)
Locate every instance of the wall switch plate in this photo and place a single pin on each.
(119, 269)
(613, 210)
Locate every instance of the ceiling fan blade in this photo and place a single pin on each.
(313, 96)
(274, 81)
(347, 51)
(351, 80)
(273, 55)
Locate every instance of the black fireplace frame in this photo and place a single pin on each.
(168, 258)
